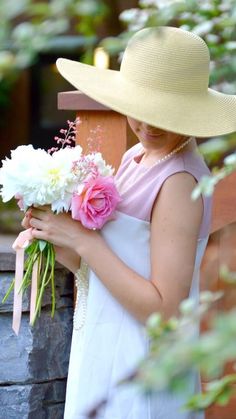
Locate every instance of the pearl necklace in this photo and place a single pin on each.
(178, 148)
(82, 285)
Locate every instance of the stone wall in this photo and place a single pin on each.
(34, 364)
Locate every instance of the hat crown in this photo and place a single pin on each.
(167, 59)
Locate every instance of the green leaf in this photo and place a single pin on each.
(31, 248)
(8, 291)
(42, 245)
(40, 8)
(224, 397)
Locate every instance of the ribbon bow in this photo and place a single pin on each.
(22, 241)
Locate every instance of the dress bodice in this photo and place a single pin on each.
(112, 342)
(139, 185)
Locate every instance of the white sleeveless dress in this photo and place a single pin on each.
(111, 342)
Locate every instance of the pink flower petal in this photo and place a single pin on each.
(94, 204)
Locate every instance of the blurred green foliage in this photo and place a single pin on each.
(213, 20)
(10, 217)
(207, 184)
(176, 351)
(173, 352)
(27, 27)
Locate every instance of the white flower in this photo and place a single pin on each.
(231, 159)
(38, 178)
(19, 173)
(103, 168)
(159, 3)
(67, 155)
(188, 306)
(128, 15)
(57, 179)
(205, 186)
(61, 205)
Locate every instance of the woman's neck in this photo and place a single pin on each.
(158, 151)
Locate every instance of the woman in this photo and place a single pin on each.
(148, 258)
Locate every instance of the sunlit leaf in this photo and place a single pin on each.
(42, 245)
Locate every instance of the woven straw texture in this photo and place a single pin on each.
(163, 81)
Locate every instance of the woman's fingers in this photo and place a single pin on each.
(39, 213)
(36, 223)
(43, 208)
(38, 234)
(25, 222)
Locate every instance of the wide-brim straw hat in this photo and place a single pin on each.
(163, 81)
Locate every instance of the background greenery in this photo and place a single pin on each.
(27, 27)
(25, 30)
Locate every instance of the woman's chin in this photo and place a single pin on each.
(149, 137)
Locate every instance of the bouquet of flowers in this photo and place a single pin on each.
(67, 180)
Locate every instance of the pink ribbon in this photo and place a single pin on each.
(19, 245)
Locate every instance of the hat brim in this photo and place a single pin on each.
(205, 114)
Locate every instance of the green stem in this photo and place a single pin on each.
(32, 258)
(25, 277)
(42, 269)
(8, 291)
(51, 277)
(53, 281)
(45, 275)
(42, 287)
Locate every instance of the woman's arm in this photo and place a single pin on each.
(68, 258)
(174, 231)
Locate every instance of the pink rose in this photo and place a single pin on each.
(95, 202)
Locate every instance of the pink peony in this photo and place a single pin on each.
(95, 202)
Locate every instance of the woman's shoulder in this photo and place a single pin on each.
(180, 178)
(191, 162)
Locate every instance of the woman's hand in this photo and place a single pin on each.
(59, 229)
(26, 220)
(65, 255)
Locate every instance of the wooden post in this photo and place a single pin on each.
(224, 203)
(116, 135)
(116, 139)
(221, 250)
